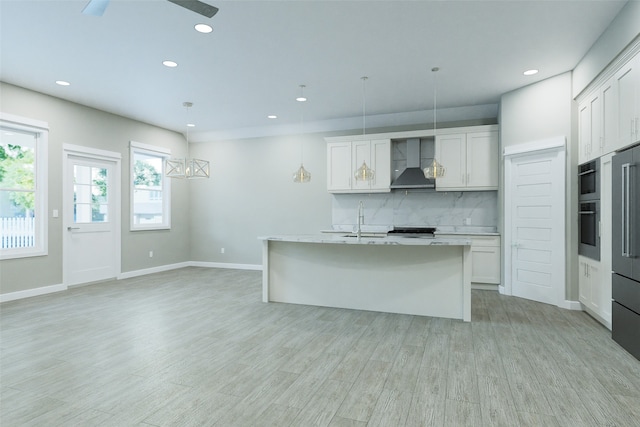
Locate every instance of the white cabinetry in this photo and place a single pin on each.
(593, 295)
(470, 161)
(598, 128)
(344, 158)
(485, 257)
(595, 276)
(627, 81)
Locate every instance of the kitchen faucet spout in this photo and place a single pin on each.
(360, 219)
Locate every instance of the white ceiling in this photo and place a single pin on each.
(260, 52)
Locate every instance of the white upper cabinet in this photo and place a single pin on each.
(627, 81)
(609, 127)
(470, 161)
(344, 159)
(339, 166)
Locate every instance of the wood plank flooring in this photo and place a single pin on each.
(197, 347)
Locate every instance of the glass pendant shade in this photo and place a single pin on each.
(301, 175)
(434, 171)
(364, 173)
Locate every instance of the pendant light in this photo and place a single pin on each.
(435, 170)
(187, 168)
(364, 173)
(302, 175)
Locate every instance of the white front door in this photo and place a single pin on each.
(534, 225)
(91, 218)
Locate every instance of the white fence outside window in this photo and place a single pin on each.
(17, 232)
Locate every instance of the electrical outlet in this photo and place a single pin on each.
(221, 250)
(150, 254)
(467, 221)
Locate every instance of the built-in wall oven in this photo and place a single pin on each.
(589, 229)
(589, 209)
(589, 180)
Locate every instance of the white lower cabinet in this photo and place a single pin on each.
(595, 289)
(485, 257)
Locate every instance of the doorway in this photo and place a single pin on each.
(91, 215)
(534, 206)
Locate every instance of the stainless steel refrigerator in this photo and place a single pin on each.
(625, 325)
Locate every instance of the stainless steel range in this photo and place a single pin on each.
(416, 232)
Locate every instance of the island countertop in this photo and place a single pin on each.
(369, 239)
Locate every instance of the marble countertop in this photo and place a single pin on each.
(469, 230)
(369, 239)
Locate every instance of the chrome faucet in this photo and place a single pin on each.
(360, 219)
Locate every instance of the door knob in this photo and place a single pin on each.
(73, 228)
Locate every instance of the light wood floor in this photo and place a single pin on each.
(196, 347)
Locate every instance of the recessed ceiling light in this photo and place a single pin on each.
(272, 116)
(530, 72)
(203, 28)
(170, 64)
(62, 83)
(191, 125)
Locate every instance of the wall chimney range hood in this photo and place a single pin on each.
(413, 175)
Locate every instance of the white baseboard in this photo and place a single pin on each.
(226, 265)
(570, 305)
(159, 269)
(485, 286)
(12, 296)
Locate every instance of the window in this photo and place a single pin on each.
(150, 188)
(23, 187)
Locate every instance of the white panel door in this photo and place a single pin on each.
(536, 206)
(91, 251)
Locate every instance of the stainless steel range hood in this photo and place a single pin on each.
(413, 176)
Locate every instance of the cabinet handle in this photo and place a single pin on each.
(626, 212)
(633, 129)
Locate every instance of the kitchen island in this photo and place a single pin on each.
(418, 276)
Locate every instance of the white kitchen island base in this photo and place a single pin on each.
(396, 277)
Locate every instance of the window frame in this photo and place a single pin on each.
(41, 236)
(164, 154)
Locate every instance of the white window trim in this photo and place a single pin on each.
(41, 128)
(139, 147)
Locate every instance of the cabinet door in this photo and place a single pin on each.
(485, 264)
(450, 151)
(381, 164)
(584, 132)
(609, 124)
(628, 90)
(338, 166)
(595, 124)
(584, 294)
(482, 161)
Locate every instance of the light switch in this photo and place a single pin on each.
(55, 213)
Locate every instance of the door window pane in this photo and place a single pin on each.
(90, 196)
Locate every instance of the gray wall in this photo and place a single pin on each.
(71, 123)
(624, 28)
(251, 193)
(541, 111)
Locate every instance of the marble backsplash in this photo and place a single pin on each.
(416, 209)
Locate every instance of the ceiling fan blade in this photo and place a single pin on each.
(95, 7)
(197, 7)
